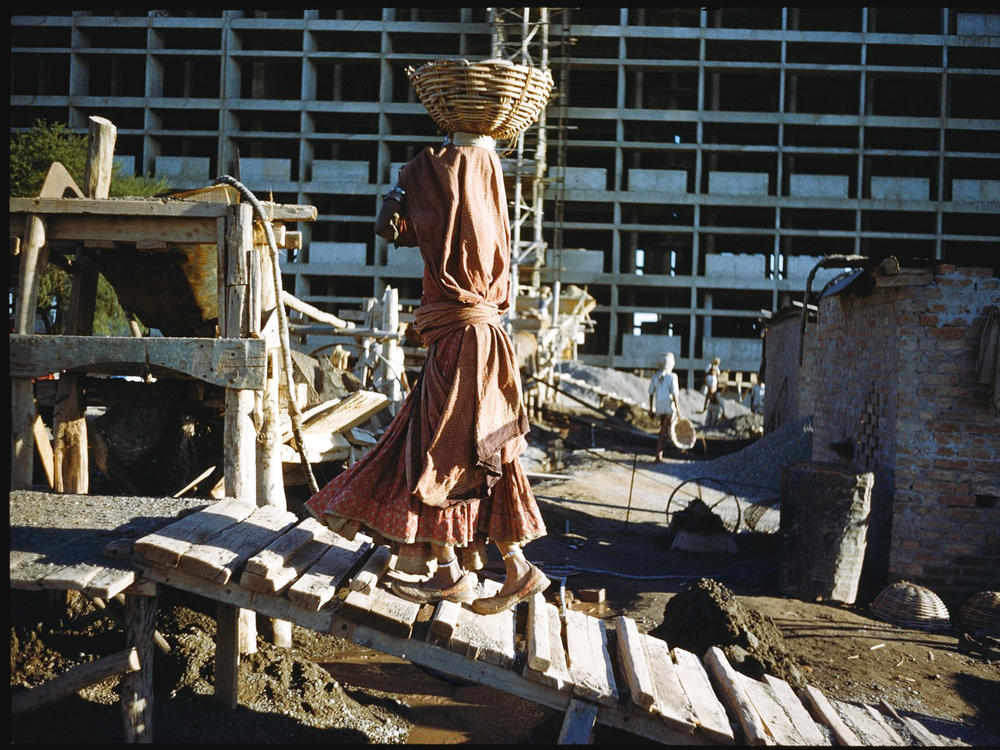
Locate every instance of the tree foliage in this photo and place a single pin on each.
(31, 154)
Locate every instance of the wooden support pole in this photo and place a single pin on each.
(578, 723)
(391, 366)
(237, 630)
(70, 454)
(137, 687)
(227, 654)
(75, 679)
(34, 253)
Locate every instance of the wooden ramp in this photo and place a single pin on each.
(596, 671)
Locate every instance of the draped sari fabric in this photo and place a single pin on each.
(447, 469)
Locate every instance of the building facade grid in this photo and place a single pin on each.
(708, 159)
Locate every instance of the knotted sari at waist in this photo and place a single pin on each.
(473, 422)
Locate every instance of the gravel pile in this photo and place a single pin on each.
(759, 464)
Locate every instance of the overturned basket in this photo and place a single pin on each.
(911, 606)
(493, 97)
(682, 434)
(980, 612)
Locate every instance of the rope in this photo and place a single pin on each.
(286, 352)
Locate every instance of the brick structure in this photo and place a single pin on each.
(790, 393)
(901, 398)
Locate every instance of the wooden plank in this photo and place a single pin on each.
(227, 362)
(275, 556)
(74, 577)
(165, 547)
(807, 728)
(709, 712)
(865, 727)
(22, 567)
(74, 679)
(557, 674)
(443, 622)
(635, 662)
(109, 582)
(151, 207)
(342, 414)
(730, 688)
(368, 577)
(507, 680)
(672, 703)
(588, 658)
(227, 654)
(318, 585)
(894, 736)
(536, 632)
(922, 734)
(278, 579)
(778, 723)
(218, 557)
(821, 709)
(578, 723)
(382, 610)
(488, 638)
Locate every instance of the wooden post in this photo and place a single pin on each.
(70, 454)
(270, 480)
(137, 687)
(391, 366)
(34, 253)
(237, 629)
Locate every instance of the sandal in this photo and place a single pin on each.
(534, 583)
(464, 590)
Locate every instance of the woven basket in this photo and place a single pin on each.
(911, 606)
(493, 97)
(980, 612)
(682, 434)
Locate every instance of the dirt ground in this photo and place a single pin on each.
(327, 689)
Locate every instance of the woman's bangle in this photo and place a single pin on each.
(397, 193)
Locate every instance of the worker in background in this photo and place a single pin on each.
(713, 400)
(664, 401)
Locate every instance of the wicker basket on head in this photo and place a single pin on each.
(492, 97)
(980, 612)
(911, 606)
(682, 434)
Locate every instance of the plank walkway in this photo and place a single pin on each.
(595, 671)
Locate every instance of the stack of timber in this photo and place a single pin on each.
(595, 671)
(333, 431)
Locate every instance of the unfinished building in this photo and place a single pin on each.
(699, 161)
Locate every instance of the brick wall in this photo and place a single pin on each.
(902, 400)
(789, 395)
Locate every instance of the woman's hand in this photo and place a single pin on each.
(387, 223)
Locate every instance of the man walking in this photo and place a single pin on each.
(664, 401)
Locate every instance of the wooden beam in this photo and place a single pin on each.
(228, 362)
(150, 208)
(731, 689)
(578, 723)
(75, 679)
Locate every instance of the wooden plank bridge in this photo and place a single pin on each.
(265, 560)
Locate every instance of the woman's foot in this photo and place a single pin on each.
(514, 591)
(449, 582)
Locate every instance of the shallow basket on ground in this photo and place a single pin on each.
(493, 97)
(911, 606)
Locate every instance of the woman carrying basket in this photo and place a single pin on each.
(446, 476)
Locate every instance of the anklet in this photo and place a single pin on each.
(511, 553)
(452, 561)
